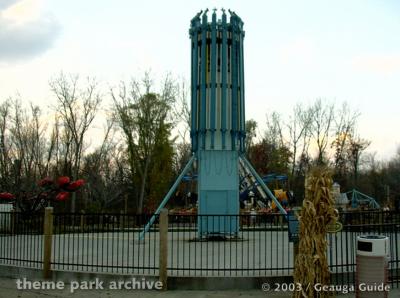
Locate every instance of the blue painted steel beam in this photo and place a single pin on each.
(167, 196)
(195, 83)
(193, 36)
(355, 199)
(242, 104)
(262, 184)
(213, 75)
(194, 33)
(223, 78)
(203, 79)
(234, 65)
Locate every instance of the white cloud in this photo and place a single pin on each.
(24, 31)
(7, 3)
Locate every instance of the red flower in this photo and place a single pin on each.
(45, 182)
(7, 196)
(76, 184)
(62, 181)
(62, 196)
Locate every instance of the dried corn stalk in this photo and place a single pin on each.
(311, 266)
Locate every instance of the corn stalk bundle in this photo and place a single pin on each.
(311, 265)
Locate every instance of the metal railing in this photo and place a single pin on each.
(104, 243)
(21, 239)
(342, 246)
(110, 243)
(260, 248)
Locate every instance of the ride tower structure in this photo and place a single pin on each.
(217, 117)
(217, 125)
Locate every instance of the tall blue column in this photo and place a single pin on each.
(217, 82)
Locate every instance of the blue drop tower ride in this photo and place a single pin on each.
(217, 116)
(217, 123)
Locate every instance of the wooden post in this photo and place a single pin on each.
(47, 241)
(163, 248)
(82, 221)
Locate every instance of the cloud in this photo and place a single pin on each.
(381, 64)
(7, 3)
(24, 33)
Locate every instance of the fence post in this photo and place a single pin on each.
(13, 216)
(163, 248)
(126, 203)
(47, 241)
(295, 251)
(101, 221)
(121, 220)
(82, 220)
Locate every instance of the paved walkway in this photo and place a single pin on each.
(8, 289)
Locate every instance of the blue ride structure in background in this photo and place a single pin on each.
(217, 123)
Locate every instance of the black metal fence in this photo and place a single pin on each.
(260, 248)
(104, 243)
(21, 239)
(111, 243)
(342, 246)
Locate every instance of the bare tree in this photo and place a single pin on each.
(27, 134)
(298, 130)
(4, 147)
(27, 153)
(356, 147)
(182, 110)
(345, 125)
(145, 118)
(77, 108)
(251, 133)
(274, 132)
(101, 170)
(181, 114)
(323, 117)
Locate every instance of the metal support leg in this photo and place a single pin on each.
(167, 197)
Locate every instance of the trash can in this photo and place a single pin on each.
(372, 266)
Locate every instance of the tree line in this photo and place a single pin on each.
(322, 133)
(144, 145)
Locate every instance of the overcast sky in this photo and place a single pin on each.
(295, 51)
